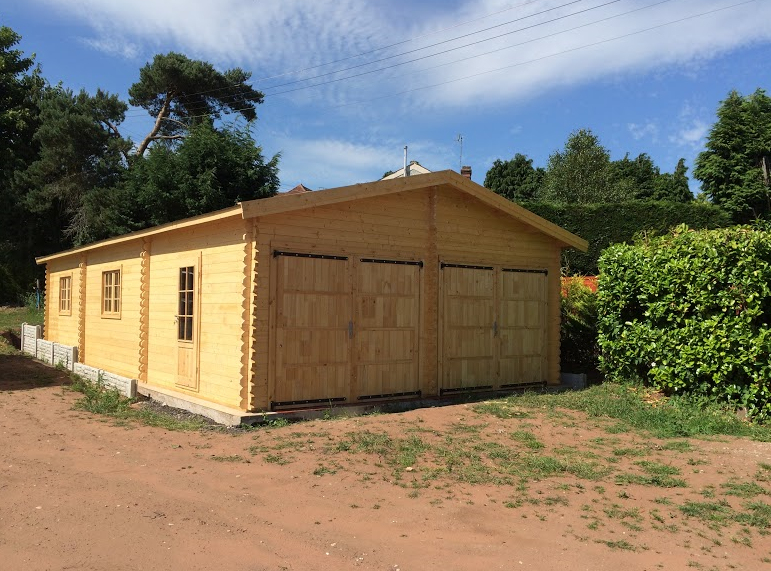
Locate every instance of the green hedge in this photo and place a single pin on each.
(605, 224)
(689, 313)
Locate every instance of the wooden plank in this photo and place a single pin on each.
(387, 319)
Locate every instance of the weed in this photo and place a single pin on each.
(621, 544)
(743, 489)
(231, 458)
(322, 470)
(528, 439)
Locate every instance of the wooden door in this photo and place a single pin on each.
(386, 328)
(468, 328)
(187, 331)
(313, 328)
(522, 327)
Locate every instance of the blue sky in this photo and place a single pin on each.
(644, 75)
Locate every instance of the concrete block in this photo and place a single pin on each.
(65, 355)
(45, 351)
(126, 386)
(90, 373)
(29, 336)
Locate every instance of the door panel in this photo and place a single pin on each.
(522, 327)
(313, 311)
(468, 352)
(387, 328)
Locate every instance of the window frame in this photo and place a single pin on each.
(68, 280)
(186, 330)
(115, 299)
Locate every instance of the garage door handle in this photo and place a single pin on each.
(350, 330)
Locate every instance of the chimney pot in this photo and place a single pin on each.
(466, 171)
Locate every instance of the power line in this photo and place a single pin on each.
(235, 96)
(369, 72)
(452, 40)
(548, 56)
(448, 50)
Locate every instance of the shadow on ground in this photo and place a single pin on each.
(19, 373)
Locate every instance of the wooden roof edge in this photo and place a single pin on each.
(288, 203)
(168, 227)
(565, 237)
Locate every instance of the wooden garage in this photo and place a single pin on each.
(421, 286)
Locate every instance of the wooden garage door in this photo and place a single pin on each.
(493, 327)
(522, 327)
(468, 353)
(313, 313)
(386, 328)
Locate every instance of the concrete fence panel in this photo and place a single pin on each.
(127, 387)
(45, 351)
(65, 355)
(29, 337)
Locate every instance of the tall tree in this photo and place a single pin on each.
(734, 167)
(581, 172)
(211, 169)
(515, 179)
(673, 187)
(81, 156)
(180, 93)
(20, 88)
(635, 178)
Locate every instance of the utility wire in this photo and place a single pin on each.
(680, 20)
(252, 84)
(237, 100)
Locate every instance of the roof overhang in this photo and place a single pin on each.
(178, 225)
(288, 203)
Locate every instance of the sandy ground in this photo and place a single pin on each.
(80, 491)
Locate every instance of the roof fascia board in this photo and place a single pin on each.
(169, 227)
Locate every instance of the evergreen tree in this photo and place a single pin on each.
(734, 168)
(515, 179)
(581, 173)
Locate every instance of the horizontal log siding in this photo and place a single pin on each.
(63, 328)
(220, 246)
(112, 344)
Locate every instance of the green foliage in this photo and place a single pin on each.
(731, 169)
(81, 158)
(688, 313)
(581, 173)
(515, 179)
(605, 224)
(210, 170)
(578, 331)
(180, 93)
(98, 398)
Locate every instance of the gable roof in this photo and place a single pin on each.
(447, 178)
(299, 189)
(414, 168)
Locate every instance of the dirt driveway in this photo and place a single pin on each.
(79, 491)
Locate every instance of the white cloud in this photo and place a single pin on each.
(691, 127)
(330, 162)
(273, 37)
(113, 46)
(640, 131)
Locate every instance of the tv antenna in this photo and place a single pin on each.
(459, 139)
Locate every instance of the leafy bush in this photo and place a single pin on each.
(605, 224)
(688, 313)
(578, 332)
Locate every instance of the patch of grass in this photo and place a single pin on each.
(11, 318)
(232, 458)
(743, 489)
(277, 459)
(714, 514)
(620, 544)
(656, 474)
(528, 439)
(629, 452)
(322, 470)
(674, 417)
(99, 398)
(758, 515)
(678, 446)
(501, 409)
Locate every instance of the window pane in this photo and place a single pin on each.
(189, 303)
(190, 278)
(189, 328)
